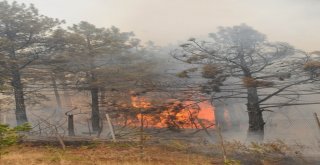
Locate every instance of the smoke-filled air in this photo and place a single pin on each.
(152, 82)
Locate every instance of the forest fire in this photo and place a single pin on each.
(175, 114)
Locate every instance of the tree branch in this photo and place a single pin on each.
(281, 89)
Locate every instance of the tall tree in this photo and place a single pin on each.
(23, 32)
(90, 46)
(241, 63)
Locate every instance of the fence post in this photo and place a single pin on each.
(88, 121)
(111, 127)
(70, 125)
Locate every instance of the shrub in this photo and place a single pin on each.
(10, 136)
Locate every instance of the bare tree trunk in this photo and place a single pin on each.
(21, 115)
(66, 97)
(56, 94)
(101, 102)
(95, 114)
(234, 118)
(256, 123)
(219, 117)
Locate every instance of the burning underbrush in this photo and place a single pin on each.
(178, 116)
(172, 114)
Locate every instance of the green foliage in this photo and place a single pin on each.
(25, 36)
(10, 136)
(23, 28)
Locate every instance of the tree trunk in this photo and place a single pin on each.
(219, 117)
(234, 117)
(21, 115)
(56, 94)
(67, 100)
(101, 102)
(256, 123)
(95, 116)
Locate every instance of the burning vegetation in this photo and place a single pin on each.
(82, 83)
(174, 115)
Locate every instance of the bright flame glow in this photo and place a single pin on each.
(186, 117)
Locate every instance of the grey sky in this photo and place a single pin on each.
(167, 21)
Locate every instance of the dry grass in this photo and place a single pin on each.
(102, 154)
(269, 153)
(170, 153)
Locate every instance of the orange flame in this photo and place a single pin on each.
(186, 116)
(140, 102)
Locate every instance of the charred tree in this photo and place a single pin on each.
(256, 123)
(243, 65)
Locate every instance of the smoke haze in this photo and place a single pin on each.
(164, 22)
